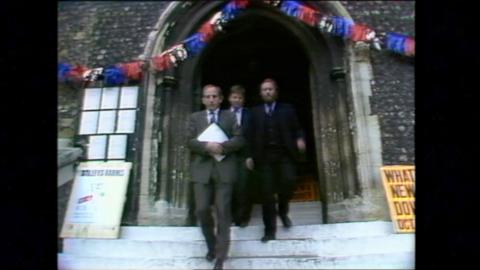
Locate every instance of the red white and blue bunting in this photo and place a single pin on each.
(335, 25)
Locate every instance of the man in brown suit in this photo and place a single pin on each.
(212, 177)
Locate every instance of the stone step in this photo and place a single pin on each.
(302, 213)
(399, 260)
(121, 248)
(317, 231)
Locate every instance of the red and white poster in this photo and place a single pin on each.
(96, 202)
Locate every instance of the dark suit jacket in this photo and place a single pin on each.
(285, 116)
(202, 163)
(246, 115)
(246, 119)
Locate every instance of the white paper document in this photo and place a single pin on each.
(126, 121)
(213, 134)
(128, 99)
(84, 201)
(106, 122)
(96, 147)
(88, 123)
(110, 97)
(117, 147)
(91, 100)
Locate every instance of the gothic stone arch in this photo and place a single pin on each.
(347, 135)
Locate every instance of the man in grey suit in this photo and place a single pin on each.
(212, 177)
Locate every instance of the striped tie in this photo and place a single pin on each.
(212, 116)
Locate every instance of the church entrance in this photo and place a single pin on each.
(254, 48)
(310, 70)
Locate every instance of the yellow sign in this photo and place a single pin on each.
(96, 201)
(399, 184)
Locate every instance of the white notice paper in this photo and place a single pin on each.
(128, 99)
(117, 147)
(126, 121)
(97, 200)
(213, 134)
(91, 100)
(96, 147)
(84, 211)
(88, 123)
(110, 97)
(106, 122)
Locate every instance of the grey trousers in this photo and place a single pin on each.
(203, 196)
(241, 200)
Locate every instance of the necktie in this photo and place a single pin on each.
(212, 116)
(236, 110)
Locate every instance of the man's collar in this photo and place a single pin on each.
(273, 104)
(233, 108)
(215, 111)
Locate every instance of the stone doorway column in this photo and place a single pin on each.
(168, 190)
(369, 203)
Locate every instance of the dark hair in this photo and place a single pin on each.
(237, 89)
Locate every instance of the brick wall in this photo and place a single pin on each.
(102, 33)
(393, 87)
(97, 34)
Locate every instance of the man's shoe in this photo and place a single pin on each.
(210, 256)
(267, 237)
(218, 265)
(287, 223)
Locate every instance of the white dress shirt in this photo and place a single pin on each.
(238, 114)
(271, 105)
(216, 115)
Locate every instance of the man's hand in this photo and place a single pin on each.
(249, 163)
(301, 145)
(214, 148)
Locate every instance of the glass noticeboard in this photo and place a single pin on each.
(107, 118)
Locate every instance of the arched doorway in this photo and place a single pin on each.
(254, 48)
(260, 42)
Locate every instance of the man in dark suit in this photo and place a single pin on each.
(212, 177)
(276, 141)
(241, 202)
